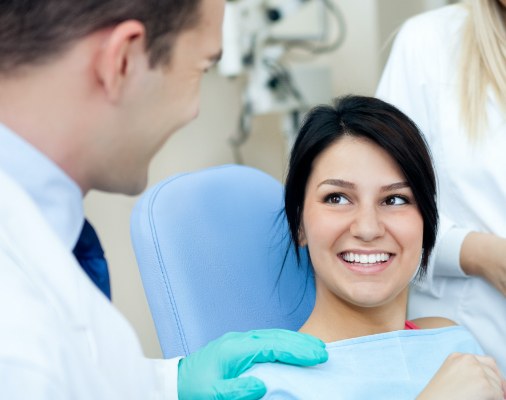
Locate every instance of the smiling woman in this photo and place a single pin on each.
(360, 198)
(363, 229)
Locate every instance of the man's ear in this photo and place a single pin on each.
(122, 53)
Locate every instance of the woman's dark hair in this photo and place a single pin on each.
(385, 125)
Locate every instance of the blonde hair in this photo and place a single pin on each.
(483, 63)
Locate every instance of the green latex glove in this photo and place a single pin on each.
(211, 373)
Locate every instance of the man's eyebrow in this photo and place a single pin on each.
(338, 182)
(216, 57)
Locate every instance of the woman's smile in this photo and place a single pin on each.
(368, 262)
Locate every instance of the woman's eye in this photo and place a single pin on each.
(336, 198)
(396, 200)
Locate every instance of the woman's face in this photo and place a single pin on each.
(361, 224)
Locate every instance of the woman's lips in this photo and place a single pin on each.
(366, 263)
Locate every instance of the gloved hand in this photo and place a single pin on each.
(211, 373)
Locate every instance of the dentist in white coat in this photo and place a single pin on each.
(89, 91)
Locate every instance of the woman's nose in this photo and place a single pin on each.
(367, 224)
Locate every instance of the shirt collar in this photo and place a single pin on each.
(58, 197)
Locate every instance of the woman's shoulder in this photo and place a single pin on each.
(431, 35)
(431, 27)
(433, 322)
(439, 17)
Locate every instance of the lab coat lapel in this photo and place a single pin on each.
(35, 248)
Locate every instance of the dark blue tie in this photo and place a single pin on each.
(90, 256)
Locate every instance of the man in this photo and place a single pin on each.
(89, 91)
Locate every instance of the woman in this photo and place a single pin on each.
(360, 197)
(447, 71)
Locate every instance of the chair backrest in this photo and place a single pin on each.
(210, 247)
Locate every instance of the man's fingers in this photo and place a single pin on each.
(211, 372)
(249, 388)
(284, 346)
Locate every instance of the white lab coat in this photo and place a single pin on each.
(60, 338)
(421, 79)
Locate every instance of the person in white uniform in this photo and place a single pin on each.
(447, 71)
(90, 90)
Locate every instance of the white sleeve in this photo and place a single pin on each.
(21, 381)
(411, 82)
(447, 250)
(166, 377)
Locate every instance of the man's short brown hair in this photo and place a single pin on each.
(34, 31)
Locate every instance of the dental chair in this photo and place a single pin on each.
(210, 246)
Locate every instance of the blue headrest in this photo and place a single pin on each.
(210, 247)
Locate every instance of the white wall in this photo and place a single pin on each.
(356, 68)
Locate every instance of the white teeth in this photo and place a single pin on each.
(365, 258)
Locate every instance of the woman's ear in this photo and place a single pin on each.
(302, 237)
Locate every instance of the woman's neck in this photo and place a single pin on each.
(333, 319)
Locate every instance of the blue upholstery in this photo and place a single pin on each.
(210, 245)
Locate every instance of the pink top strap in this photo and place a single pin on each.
(410, 325)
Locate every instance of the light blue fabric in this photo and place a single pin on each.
(394, 365)
(210, 247)
(58, 197)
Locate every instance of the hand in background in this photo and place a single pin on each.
(466, 377)
(484, 254)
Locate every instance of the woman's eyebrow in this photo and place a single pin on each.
(350, 185)
(395, 186)
(338, 182)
